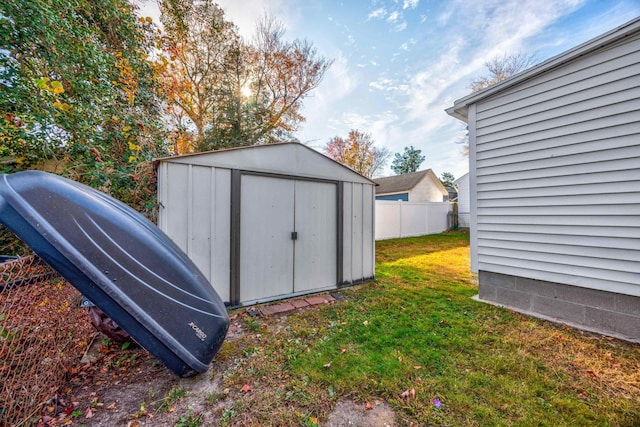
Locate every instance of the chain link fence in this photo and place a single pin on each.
(43, 332)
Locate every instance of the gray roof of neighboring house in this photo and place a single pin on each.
(405, 182)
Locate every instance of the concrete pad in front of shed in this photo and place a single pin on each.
(351, 414)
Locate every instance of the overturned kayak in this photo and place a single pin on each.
(122, 263)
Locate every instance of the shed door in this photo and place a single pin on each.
(273, 261)
(316, 225)
(266, 223)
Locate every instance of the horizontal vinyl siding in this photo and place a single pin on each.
(558, 174)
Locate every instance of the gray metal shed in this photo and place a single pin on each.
(270, 221)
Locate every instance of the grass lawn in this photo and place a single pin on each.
(415, 337)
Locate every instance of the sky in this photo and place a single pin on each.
(398, 64)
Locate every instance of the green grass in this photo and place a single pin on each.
(416, 328)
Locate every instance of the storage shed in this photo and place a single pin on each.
(555, 186)
(270, 221)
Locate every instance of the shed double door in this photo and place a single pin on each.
(288, 237)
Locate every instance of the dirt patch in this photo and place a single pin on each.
(348, 413)
(128, 387)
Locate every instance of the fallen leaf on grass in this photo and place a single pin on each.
(246, 388)
(365, 323)
(591, 373)
(343, 351)
(408, 393)
(112, 406)
(416, 367)
(88, 413)
(327, 365)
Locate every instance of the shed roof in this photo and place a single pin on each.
(460, 107)
(288, 158)
(405, 182)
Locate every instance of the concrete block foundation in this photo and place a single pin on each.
(603, 312)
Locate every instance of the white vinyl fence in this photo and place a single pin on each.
(404, 219)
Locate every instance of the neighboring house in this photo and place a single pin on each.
(554, 157)
(422, 186)
(462, 184)
(269, 221)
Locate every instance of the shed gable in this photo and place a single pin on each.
(287, 158)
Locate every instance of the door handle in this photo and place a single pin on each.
(294, 235)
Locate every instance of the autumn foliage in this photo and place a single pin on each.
(358, 151)
(223, 91)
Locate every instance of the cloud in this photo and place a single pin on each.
(408, 44)
(394, 17)
(410, 4)
(378, 13)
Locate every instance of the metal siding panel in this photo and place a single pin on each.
(368, 234)
(221, 225)
(316, 225)
(347, 267)
(200, 213)
(357, 223)
(177, 204)
(266, 248)
(162, 196)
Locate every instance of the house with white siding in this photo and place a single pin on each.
(462, 184)
(554, 177)
(421, 186)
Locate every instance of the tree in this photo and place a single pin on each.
(232, 92)
(78, 95)
(447, 179)
(408, 162)
(500, 68)
(201, 63)
(358, 152)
